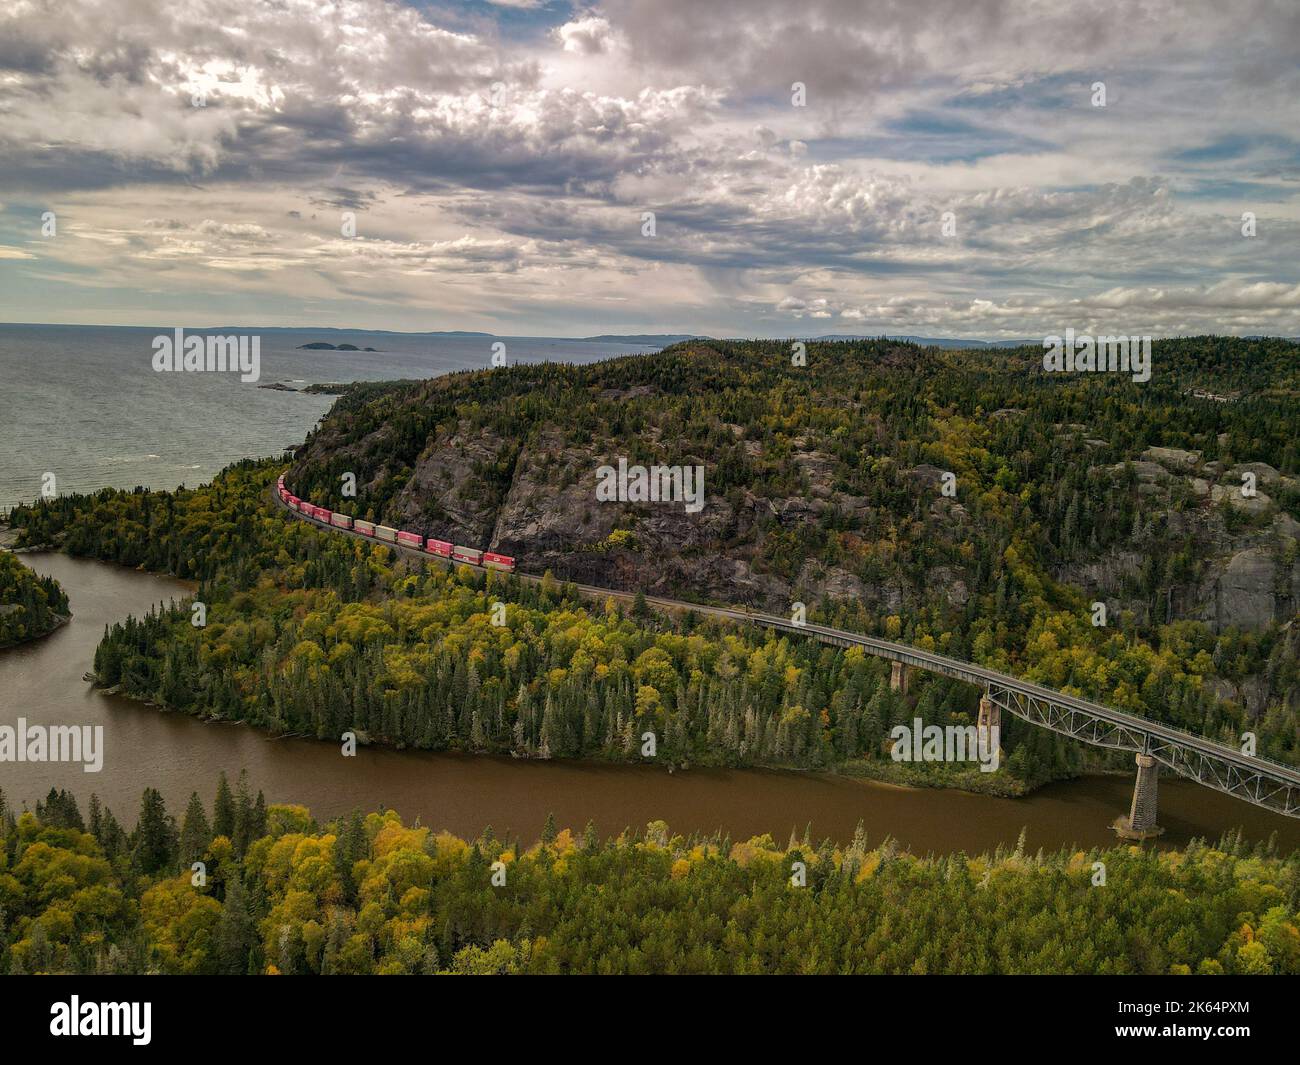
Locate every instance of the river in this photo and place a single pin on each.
(42, 681)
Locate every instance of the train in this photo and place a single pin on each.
(387, 533)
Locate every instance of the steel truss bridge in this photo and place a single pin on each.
(1264, 783)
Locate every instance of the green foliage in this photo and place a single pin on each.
(314, 633)
(368, 894)
(30, 605)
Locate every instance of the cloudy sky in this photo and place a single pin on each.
(203, 160)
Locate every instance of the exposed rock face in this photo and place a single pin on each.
(1259, 503)
(1252, 692)
(1264, 473)
(1242, 581)
(446, 495)
(817, 582)
(1147, 472)
(1174, 458)
(551, 513)
(950, 582)
(1242, 590)
(770, 542)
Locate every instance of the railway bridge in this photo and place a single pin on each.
(1256, 780)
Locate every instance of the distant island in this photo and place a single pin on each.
(328, 388)
(321, 345)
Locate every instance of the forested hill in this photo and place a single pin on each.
(830, 483)
(825, 485)
(827, 479)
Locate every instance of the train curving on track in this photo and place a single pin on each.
(471, 556)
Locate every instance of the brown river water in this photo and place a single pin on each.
(144, 746)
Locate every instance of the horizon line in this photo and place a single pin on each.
(686, 335)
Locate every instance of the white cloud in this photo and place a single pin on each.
(589, 35)
(510, 173)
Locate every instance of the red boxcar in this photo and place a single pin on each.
(491, 558)
(438, 547)
(410, 539)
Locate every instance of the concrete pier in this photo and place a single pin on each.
(1140, 823)
(898, 678)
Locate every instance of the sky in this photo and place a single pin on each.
(985, 169)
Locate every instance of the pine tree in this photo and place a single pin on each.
(155, 843)
(223, 810)
(195, 833)
(235, 934)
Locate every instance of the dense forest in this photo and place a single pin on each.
(310, 632)
(242, 888)
(825, 485)
(30, 605)
(313, 633)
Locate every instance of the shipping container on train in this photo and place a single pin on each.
(441, 548)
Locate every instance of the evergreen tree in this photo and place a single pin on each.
(236, 933)
(223, 810)
(195, 833)
(154, 845)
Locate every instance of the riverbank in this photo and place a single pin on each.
(934, 775)
(178, 754)
(59, 621)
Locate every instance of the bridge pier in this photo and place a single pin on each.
(898, 678)
(1140, 823)
(989, 724)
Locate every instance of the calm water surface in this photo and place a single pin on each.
(177, 754)
(84, 402)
